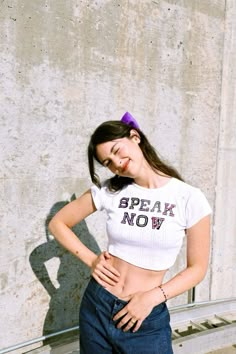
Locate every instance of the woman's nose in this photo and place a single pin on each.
(117, 165)
(117, 162)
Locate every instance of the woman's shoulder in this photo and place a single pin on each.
(184, 186)
(104, 190)
(191, 194)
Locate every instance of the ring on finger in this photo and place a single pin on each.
(132, 321)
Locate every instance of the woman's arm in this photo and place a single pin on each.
(198, 249)
(60, 226)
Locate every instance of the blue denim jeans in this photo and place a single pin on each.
(98, 332)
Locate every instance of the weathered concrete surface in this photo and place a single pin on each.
(65, 67)
(224, 240)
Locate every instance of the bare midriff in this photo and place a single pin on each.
(133, 279)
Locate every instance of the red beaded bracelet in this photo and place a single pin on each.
(163, 292)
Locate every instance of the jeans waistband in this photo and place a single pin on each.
(103, 294)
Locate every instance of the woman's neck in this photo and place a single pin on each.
(152, 179)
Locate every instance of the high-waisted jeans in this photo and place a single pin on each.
(98, 332)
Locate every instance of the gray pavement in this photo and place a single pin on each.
(72, 348)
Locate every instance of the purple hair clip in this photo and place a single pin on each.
(129, 120)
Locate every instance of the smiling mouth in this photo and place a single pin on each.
(125, 166)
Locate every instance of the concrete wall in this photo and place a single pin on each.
(66, 66)
(224, 240)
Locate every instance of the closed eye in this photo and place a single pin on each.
(114, 151)
(106, 163)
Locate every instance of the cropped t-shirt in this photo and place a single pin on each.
(146, 227)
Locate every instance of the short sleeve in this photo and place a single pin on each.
(197, 207)
(97, 195)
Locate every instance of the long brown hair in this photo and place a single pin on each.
(112, 130)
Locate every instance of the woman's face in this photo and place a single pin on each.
(122, 156)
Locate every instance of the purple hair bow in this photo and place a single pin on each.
(129, 120)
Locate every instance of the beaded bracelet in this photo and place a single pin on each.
(163, 292)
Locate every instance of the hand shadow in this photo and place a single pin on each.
(72, 276)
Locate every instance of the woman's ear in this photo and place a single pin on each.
(134, 135)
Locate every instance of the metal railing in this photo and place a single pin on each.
(37, 340)
(175, 310)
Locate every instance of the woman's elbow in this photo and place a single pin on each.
(53, 225)
(200, 273)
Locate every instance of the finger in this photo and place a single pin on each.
(112, 269)
(103, 268)
(132, 322)
(107, 255)
(104, 282)
(99, 281)
(137, 326)
(109, 273)
(124, 322)
(99, 270)
(124, 319)
(104, 265)
(121, 314)
(104, 278)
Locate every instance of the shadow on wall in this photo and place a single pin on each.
(73, 276)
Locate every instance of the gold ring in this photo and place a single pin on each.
(132, 321)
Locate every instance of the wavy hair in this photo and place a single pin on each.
(112, 130)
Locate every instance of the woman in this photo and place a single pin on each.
(149, 211)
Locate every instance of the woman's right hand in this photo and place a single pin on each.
(103, 272)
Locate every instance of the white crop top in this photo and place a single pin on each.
(146, 227)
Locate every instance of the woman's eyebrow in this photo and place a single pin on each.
(111, 151)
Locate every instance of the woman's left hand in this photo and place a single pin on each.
(138, 308)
